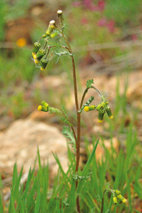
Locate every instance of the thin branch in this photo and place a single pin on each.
(85, 92)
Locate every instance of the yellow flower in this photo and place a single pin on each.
(120, 197)
(124, 200)
(36, 61)
(117, 192)
(34, 55)
(39, 108)
(21, 42)
(115, 200)
(86, 108)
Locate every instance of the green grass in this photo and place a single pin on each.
(118, 171)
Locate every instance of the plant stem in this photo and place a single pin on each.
(83, 96)
(78, 128)
(77, 114)
(85, 92)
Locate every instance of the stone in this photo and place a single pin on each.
(20, 142)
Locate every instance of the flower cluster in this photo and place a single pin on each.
(102, 108)
(44, 106)
(41, 50)
(39, 56)
(118, 197)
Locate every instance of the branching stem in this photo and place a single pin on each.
(85, 92)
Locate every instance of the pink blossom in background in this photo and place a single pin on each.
(84, 21)
(102, 22)
(88, 4)
(101, 5)
(76, 3)
(111, 26)
(134, 37)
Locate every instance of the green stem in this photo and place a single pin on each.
(77, 114)
(85, 92)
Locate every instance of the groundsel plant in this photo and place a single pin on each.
(55, 43)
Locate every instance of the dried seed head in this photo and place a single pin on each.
(59, 12)
(52, 22)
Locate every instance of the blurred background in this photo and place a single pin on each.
(106, 38)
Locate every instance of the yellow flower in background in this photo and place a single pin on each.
(21, 42)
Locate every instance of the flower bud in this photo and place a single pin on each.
(54, 34)
(89, 108)
(43, 107)
(34, 55)
(120, 197)
(35, 58)
(60, 16)
(44, 103)
(124, 200)
(36, 48)
(86, 108)
(39, 108)
(40, 54)
(117, 192)
(59, 12)
(36, 61)
(115, 200)
(43, 63)
(51, 27)
(92, 107)
(109, 113)
(100, 117)
(44, 36)
(52, 23)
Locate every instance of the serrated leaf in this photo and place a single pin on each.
(89, 83)
(69, 135)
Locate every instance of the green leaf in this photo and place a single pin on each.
(69, 135)
(89, 83)
(86, 168)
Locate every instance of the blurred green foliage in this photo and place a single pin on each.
(124, 12)
(3, 8)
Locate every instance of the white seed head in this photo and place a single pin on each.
(59, 12)
(52, 22)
